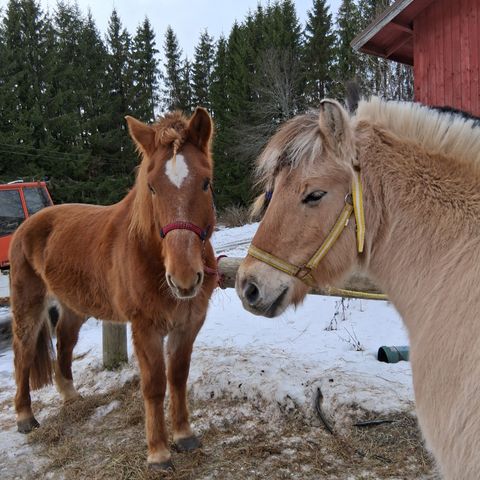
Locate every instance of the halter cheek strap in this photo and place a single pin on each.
(353, 203)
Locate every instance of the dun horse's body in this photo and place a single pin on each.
(141, 260)
(419, 169)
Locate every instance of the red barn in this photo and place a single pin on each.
(441, 39)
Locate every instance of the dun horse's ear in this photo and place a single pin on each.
(200, 129)
(334, 122)
(142, 134)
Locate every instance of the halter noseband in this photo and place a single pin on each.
(353, 203)
(185, 226)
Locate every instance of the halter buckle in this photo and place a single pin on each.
(303, 271)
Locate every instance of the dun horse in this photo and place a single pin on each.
(147, 260)
(393, 190)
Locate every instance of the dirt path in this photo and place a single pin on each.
(102, 437)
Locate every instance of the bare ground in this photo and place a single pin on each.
(102, 437)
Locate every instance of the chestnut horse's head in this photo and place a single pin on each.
(173, 203)
(307, 170)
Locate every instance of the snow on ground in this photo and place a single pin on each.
(324, 343)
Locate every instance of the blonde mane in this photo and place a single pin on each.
(299, 140)
(438, 132)
(170, 132)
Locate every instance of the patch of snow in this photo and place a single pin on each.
(104, 410)
(252, 359)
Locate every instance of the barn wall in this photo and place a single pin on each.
(446, 54)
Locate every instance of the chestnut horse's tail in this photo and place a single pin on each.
(32, 342)
(42, 367)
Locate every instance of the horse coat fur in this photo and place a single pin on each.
(112, 263)
(421, 183)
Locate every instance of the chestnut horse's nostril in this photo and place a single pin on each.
(170, 281)
(252, 294)
(199, 278)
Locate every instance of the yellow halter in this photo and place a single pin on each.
(353, 203)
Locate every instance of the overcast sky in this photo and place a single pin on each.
(187, 17)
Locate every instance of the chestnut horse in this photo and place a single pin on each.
(146, 259)
(393, 190)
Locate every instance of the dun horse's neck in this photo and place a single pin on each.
(423, 225)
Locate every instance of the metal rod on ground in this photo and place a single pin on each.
(114, 344)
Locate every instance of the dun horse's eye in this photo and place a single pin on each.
(152, 190)
(206, 184)
(314, 197)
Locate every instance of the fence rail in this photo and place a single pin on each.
(115, 334)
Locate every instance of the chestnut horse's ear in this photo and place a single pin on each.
(200, 129)
(334, 123)
(142, 134)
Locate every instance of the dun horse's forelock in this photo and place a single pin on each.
(297, 144)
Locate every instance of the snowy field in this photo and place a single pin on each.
(326, 343)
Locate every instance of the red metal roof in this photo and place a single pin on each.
(390, 35)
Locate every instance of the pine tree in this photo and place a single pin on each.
(203, 71)
(145, 73)
(22, 103)
(173, 92)
(348, 63)
(186, 91)
(119, 81)
(117, 147)
(318, 53)
(65, 70)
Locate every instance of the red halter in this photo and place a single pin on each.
(202, 234)
(185, 226)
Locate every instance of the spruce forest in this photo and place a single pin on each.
(65, 88)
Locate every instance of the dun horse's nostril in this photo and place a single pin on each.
(252, 294)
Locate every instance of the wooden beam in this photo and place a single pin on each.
(397, 46)
(357, 282)
(114, 338)
(401, 27)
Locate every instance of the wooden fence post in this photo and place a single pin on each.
(114, 344)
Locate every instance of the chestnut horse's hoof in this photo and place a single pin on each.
(26, 426)
(187, 444)
(162, 467)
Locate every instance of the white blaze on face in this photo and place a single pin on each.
(177, 170)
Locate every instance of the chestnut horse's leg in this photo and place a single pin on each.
(148, 342)
(67, 330)
(31, 341)
(179, 348)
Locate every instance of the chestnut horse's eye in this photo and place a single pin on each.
(206, 184)
(152, 190)
(314, 198)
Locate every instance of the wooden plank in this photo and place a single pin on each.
(464, 54)
(114, 339)
(473, 36)
(228, 267)
(448, 56)
(455, 46)
(439, 57)
(418, 63)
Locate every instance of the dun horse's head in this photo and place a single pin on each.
(173, 207)
(307, 170)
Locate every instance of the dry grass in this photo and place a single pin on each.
(240, 442)
(234, 216)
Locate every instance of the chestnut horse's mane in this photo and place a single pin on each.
(438, 131)
(170, 132)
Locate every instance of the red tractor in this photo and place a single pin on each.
(18, 201)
